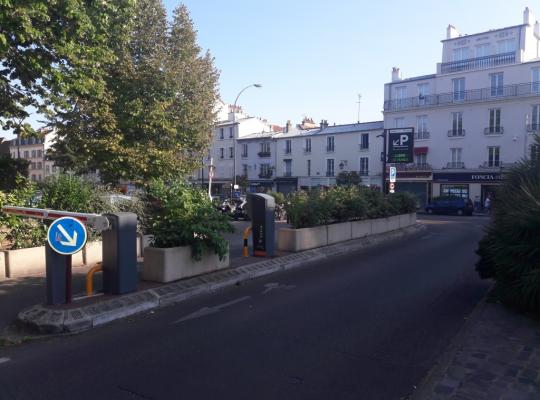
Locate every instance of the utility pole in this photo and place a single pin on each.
(383, 159)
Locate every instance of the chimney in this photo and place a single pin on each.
(396, 74)
(527, 16)
(324, 124)
(451, 32)
(537, 29)
(288, 126)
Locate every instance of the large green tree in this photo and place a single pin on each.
(157, 113)
(50, 50)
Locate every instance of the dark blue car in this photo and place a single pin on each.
(450, 205)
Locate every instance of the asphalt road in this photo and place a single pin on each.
(368, 325)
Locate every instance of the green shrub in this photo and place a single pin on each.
(181, 215)
(279, 198)
(510, 251)
(402, 203)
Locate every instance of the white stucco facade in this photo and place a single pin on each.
(475, 116)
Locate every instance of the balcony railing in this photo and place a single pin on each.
(455, 165)
(414, 167)
(265, 175)
(479, 63)
(363, 147)
(421, 135)
(329, 173)
(533, 127)
(287, 174)
(492, 164)
(329, 149)
(307, 150)
(363, 172)
(494, 130)
(264, 154)
(456, 132)
(467, 96)
(287, 150)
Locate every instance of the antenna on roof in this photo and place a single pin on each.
(358, 102)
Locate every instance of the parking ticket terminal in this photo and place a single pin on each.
(261, 209)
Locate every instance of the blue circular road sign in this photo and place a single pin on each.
(67, 235)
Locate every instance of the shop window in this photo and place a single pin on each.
(455, 190)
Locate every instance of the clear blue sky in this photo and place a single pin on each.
(313, 57)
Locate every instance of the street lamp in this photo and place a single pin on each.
(257, 85)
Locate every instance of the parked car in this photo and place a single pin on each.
(450, 205)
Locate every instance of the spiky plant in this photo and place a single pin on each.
(510, 251)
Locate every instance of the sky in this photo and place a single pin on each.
(313, 57)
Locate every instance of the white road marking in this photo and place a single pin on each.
(271, 286)
(210, 310)
(4, 360)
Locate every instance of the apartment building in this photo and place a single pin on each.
(474, 117)
(257, 161)
(34, 150)
(313, 157)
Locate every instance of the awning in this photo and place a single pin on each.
(420, 150)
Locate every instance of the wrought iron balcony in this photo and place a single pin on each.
(287, 150)
(265, 175)
(421, 135)
(329, 149)
(533, 127)
(363, 148)
(494, 130)
(527, 89)
(329, 173)
(414, 167)
(455, 165)
(264, 154)
(492, 164)
(456, 132)
(363, 172)
(307, 150)
(244, 155)
(479, 63)
(287, 174)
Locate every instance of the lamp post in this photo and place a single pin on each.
(383, 159)
(257, 85)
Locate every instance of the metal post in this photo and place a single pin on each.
(56, 276)
(69, 293)
(385, 188)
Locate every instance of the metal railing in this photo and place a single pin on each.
(363, 172)
(479, 62)
(329, 149)
(494, 130)
(329, 173)
(533, 127)
(287, 174)
(467, 96)
(492, 164)
(363, 148)
(265, 175)
(455, 165)
(421, 135)
(456, 132)
(414, 167)
(264, 154)
(307, 150)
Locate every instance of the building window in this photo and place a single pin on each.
(39, 154)
(483, 50)
(308, 167)
(39, 165)
(266, 171)
(221, 133)
(455, 157)
(47, 169)
(535, 120)
(422, 127)
(364, 141)
(287, 168)
(423, 92)
(245, 169)
(496, 84)
(330, 143)
(493, 156)
(458, 89)
(364, 166)
(265, 149)
(307, 149)
(495, 121)
(455, 190)
(535, 152)
(244, 149)
(535, 79)
(330, 167)
(400, 95)
(461, 53)
(33, 165)
(231, 132)
(33, 154)
(457, 124)
(399, 122)
(231, 152)
(33, 177)
(507, 46)
(221, 152)
(26, 154)
(288, 146)
(420, 159)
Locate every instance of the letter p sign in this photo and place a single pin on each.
(403, 139)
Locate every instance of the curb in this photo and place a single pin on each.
(51, 320)
(424, 390)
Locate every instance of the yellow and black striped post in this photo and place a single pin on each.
(245, 251)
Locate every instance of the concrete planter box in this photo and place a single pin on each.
(360, 229)
(31, 261)
(93, 253)
(2, 265)
(302, 239)
(309, 238)
(170, 264)
(339, 232)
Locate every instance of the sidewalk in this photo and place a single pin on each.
(496, 356)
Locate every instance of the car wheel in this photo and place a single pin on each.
(460, 212)
(430, 211)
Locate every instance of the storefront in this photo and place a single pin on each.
(470, 185)
(286, 185)
(260, 186)
(417, 182)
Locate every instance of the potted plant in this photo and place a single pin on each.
(187, 233)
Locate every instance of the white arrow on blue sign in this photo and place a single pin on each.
(393, 174)
(67, 235)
